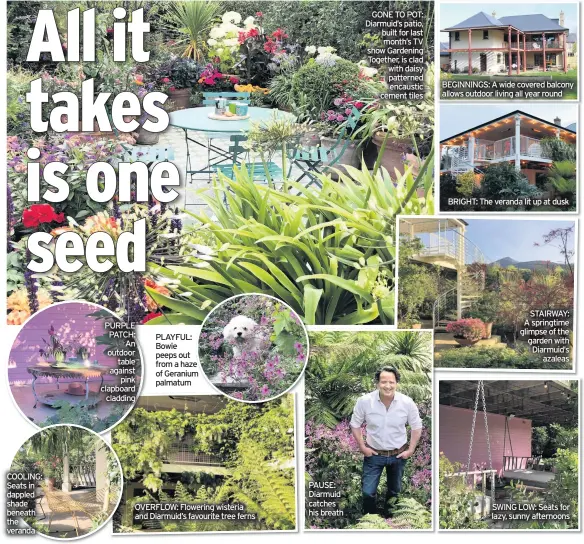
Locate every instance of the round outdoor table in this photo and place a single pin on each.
(66, 371)
(197, 119)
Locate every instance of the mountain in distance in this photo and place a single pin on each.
(506, 262)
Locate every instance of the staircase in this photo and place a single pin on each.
(459, 163)
(471, 277)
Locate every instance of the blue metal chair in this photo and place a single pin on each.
(209, 100)
(314, 160)
(256, 170)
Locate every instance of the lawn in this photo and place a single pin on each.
(570, 76)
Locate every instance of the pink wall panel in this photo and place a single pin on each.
(69, 320)
(454, 436)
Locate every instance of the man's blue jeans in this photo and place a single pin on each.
(372, 470)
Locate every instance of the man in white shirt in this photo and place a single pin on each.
(386, 414)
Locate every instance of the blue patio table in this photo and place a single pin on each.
(197, 119)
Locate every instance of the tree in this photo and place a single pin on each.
(561, 238)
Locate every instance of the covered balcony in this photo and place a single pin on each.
(516, 137)
(443, 240)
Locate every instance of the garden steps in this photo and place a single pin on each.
(445, 341)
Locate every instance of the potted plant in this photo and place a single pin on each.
(467, 332)
(486, 309)
(178, 78)
(54, 348)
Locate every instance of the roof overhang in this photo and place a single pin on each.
(542, 402)
(540, 128)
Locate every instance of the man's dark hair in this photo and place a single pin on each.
(387, 369)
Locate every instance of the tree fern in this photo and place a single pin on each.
(410, 514)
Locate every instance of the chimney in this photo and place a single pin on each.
(558, 121)
(562, 18)
(494, 14)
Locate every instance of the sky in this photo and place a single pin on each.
(460, 117)
(452, 14)
(515, 238)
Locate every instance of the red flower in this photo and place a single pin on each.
(279, 34)
(40, 213)
(151, 315)
(173, 88)
(241, 37)
(259, 14)
(270, 46)
(253, 33)
(165, 80)
(234, 80)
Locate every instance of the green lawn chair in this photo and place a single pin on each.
(209, 100)
(256, 170)
(314, 160)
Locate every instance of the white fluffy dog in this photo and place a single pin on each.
(243, 334)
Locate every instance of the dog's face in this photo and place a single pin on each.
(240, 329)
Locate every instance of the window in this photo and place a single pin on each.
(457, 36)
(485, 34)
(498, 58)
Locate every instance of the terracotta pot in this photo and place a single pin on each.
(181, 98)
(50, 482)
(488, 331)
(393, 153)
(146, 137)
(417, 326)
(465, 342)
(350, 156)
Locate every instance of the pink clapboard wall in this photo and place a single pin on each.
(454, 436)
(69, 321)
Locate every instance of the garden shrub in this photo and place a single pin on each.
(492, 357)
(316, 82)
(503, 181)
(559, 150)
(465, 183)
(17, 109)
(564, 487)
(456, 499)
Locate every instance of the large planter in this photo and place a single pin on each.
(488, 331)
(145, 137)
(350, 157)
(465, 342)
(393, 154)
(417, 326)
(181, 98)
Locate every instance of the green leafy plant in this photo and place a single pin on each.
(558, 150)
(486, 308)
(466, 183)
(328, 252)
(562, 177)
(193, 20)
(455, 510)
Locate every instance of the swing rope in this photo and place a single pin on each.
(481, 394)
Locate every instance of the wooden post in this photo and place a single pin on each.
(543, 45)
(518, 53)
(565, 44)
(510, 55)
(469, 51)
(524, 55)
